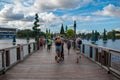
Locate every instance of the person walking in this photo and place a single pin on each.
(41, 43)
(68, 45)
(49, 43)
(58, 44)
(62, 48)
(78, 48)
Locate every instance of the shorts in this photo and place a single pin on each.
(58, 48)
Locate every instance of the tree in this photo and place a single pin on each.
(36, 30)
(35, 27)
(46, 30)
(25, 33)
(66, 28)
(48, 34)
(83, 35)
(96, 35)
(93, 36)
(88, 35)
(49, 30)
(113, 35)
(70, 33)
(104, 36)
(52, 35)
(62, 30)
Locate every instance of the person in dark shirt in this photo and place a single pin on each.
(58, 44)
(68, 45)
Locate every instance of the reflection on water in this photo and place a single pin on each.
(5, 43)
(110, 44)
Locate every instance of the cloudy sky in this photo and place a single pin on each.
(89, 14)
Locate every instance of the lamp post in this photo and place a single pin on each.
(74, 45)
(28, 38)
(14, 40)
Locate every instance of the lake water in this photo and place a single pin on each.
(110, 44)
(5, 43)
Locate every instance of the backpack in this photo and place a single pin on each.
(79, 41)
(69, 43)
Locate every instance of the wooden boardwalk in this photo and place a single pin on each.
(42, 66)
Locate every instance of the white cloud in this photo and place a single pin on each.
(117, 29)
(20, 13)
(55, 4)
(82, 18)
(60, 4)
(8, 14)
(83, 31)
(109, 10)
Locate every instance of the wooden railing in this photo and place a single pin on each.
(11, 56)
(105, 57)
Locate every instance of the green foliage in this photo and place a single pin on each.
(25, 33)
(48, 34)
(83, 36)
(62, 30)
(93, 36)
(113, 35)
(35, 27)
(109, 35)
(96, 35)
(87, 36)
(70, 33)
(104, 35)
(66, 28)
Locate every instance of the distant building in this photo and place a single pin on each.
(118, 34)
(7, 33)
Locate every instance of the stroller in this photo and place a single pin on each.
(60, 57)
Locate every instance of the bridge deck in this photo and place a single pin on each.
(42, 66)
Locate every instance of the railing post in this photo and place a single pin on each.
(91, 52)
(105, 57)
(96, 54)
(29, 48)
(7, 53)
(34, 46)
(18, 53)
(100, 57)
(109, 62)
(83, 48)
(3, 61)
